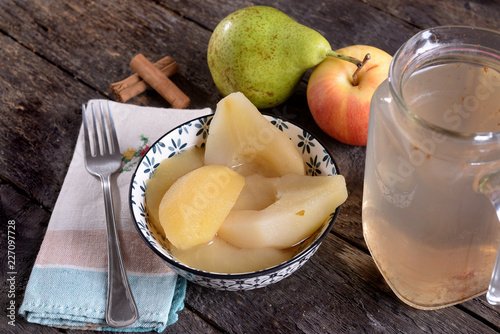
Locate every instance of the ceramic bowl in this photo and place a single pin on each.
(194, 133)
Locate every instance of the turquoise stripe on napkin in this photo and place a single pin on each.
(65, 297)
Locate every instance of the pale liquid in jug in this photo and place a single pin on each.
(433, 237)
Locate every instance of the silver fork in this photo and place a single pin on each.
(102, 159)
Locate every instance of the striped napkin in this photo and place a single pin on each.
(67, 287)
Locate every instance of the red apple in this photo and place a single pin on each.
(340, 106)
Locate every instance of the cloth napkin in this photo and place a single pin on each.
(67, 287)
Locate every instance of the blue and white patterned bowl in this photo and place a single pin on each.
(194, 133)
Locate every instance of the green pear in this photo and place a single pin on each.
(263, 53)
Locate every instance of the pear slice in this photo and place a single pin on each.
(221, 257)
(165, 175)
(242, 138)
(258, 193)
(195, 206)
(303, 204)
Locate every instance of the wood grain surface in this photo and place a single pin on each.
(56, 55)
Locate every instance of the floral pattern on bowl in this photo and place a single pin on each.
(194, 133)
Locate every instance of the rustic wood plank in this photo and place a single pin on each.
(342, 23)
(39, 121)
(428, 13)
(95, 41)
(482, 309)
(195, 324)
(30, 222)
(422, 14)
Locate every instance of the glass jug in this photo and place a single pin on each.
(433, 168)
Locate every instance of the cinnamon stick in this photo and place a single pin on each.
(134, 85)
(159, 82)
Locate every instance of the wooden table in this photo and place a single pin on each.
(55, 55)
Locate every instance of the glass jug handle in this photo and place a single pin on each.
(489, 185)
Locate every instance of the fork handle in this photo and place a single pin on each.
(121, 310)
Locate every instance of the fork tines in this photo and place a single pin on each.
(100, 142)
